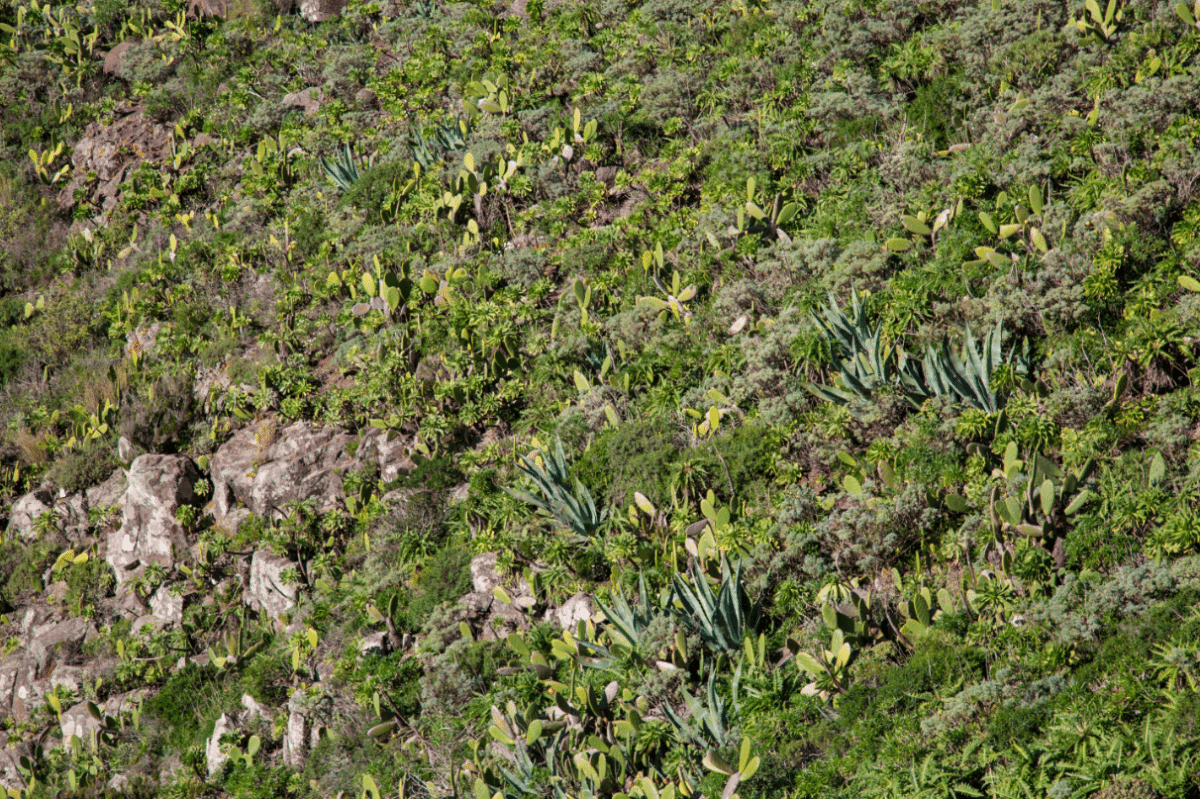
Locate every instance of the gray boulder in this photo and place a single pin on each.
(76, 721)
(309, 99)
(268, 590)
(302, 462)
(166, 606)
(386, 449)
(17, 673)
(484, 576)
(296, 736)
(25, 512)
(321, 10)
(158, 486)
(212, 748)
(576, 609)
(110, 493)
(10, 759)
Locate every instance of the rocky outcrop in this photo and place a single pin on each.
(110, 493)
(257, 710)
(47, 657)
(303, 462)
(112, 152)
(296, 736)
(309, 99)
(484, 576)
(166, 606)
(268, 589)
(576, 609)
(264, 469)
(70, 512)
(490, 618)
(10, 760)
(78, 722)
(214, 757)
(23, 515)
(158, 486)
(387, 450)
(321, 10)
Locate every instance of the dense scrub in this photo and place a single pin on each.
(880, 319)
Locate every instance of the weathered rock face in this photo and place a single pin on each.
(256, 710)
(268, 590)
(114, 59)
(299, 464)
(295, 737)
(309, 99)
(110, 493)
(45, 658)
(166, 606)
(321, 10)
(302, 462)
(576, 609)
(76, 721)
(484, 576)
(70, 512)
(391, 454)
(10, 759)
(149, 533)
(488, 616)
(212, 748)
(113, 152)
(25, 512)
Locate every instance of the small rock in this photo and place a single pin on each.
(113, 60)
(365, 97)
(166, 606)
(576, 609)
(57, 591)
(268, 591)
(25, 512)
(375, 644)
(212, 749)
(255, 710)
(321, 10)
(309, 99)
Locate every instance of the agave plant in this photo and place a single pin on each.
(628, 621)
(724, 619)
(709, 723)
(867, 364)
(968, 378)
(563, 497)
(341, 170)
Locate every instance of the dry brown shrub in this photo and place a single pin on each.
(29, 444)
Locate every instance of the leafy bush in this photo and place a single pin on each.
(85, 466)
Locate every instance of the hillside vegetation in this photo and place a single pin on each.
(717, 397)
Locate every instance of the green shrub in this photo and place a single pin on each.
(22, 566)
(634, 457)
(12, 357)
(259, 781)
(372, 193)
(84, 467)
(185, 707)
